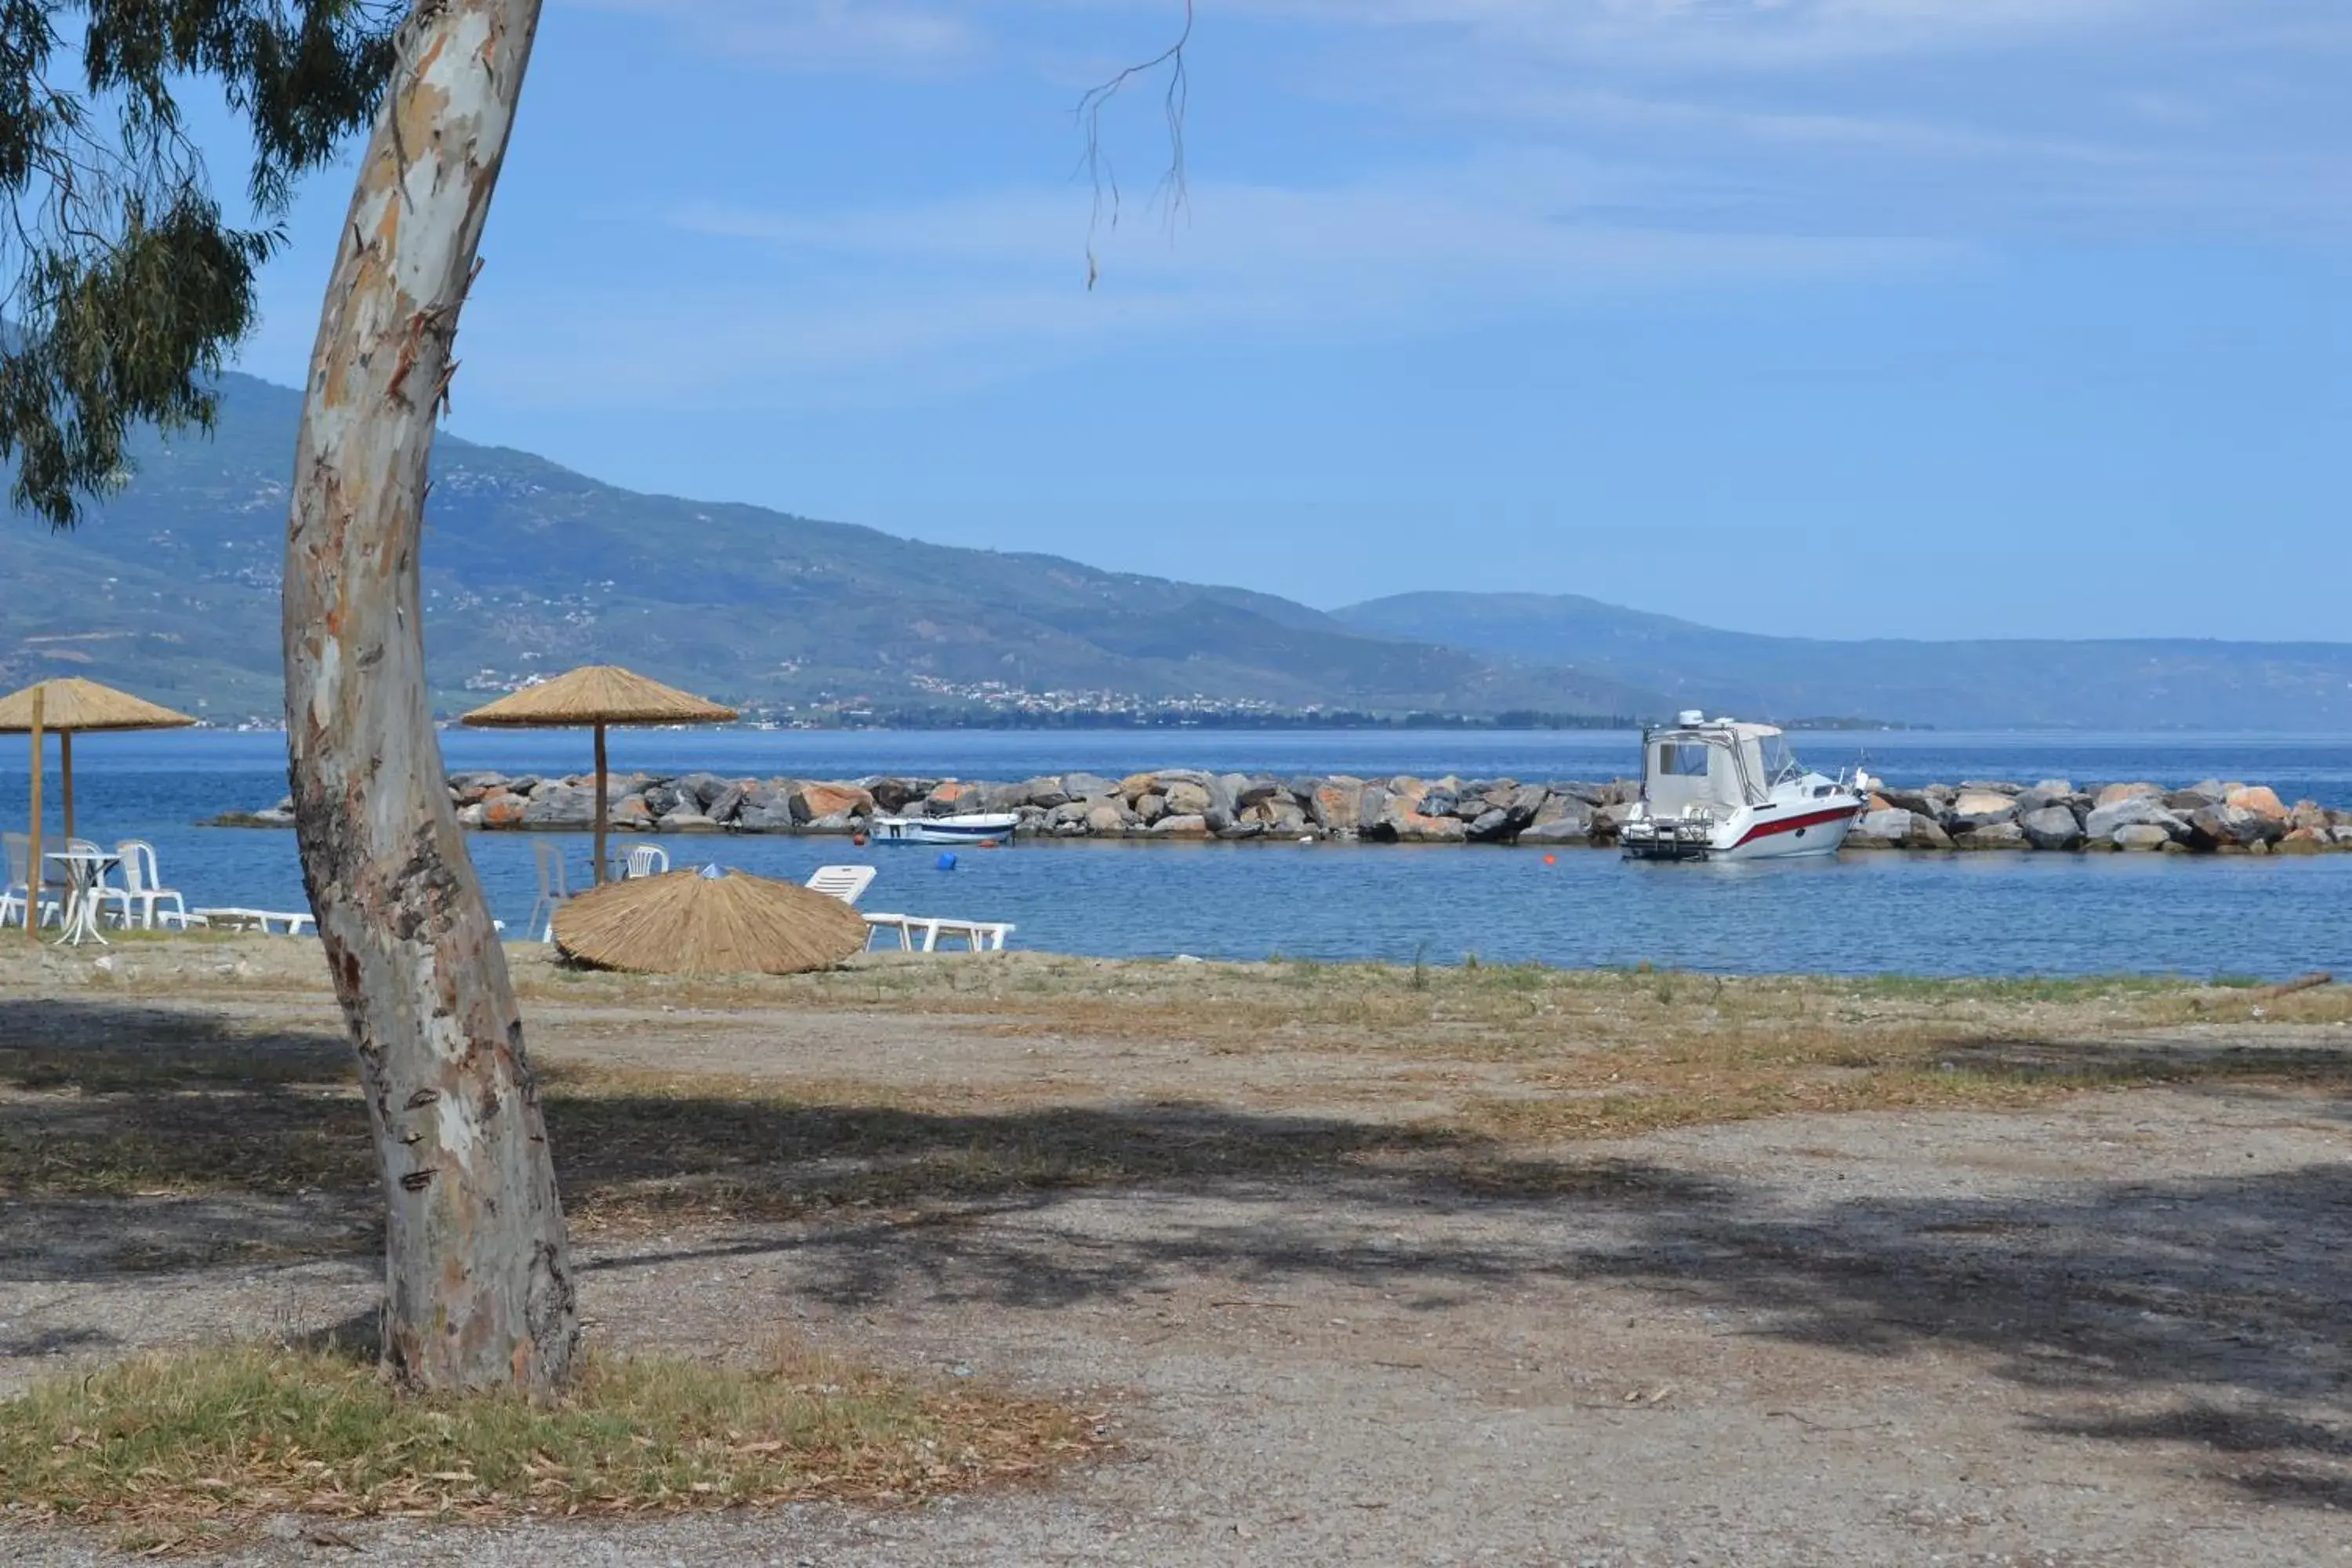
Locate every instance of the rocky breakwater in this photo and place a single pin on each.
(2210, 817)
(1180, 804)
(1171, 804)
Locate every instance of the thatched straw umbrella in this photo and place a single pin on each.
(598, 694)
(69, 706)
(696, 922)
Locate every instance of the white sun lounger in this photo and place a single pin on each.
(921, 934)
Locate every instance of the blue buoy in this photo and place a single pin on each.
(946, 862)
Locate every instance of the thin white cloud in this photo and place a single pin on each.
(934, 297)
(892, 37)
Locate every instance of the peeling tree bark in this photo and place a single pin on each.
(479, 1284)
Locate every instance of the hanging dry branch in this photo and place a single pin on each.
(1102, 176)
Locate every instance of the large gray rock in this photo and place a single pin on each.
(1977, 808)
(2127, 810)
(1559, 830)
(1185, 798)
(703, 788)
(1897, 828)
(1182, 824)
(1107, 819)
(2143, 836)
(1046, 791)
(1886, 829)
(1086, 786)
(1256, 792)
(2053, 827)
(1440, 802)
(1929, 801)
(893, 795)
(1560, 806)
(1992, 835)
(766, 809)
(686, 821)
(1490, 827)
(722, 806)
(559, 806)
(2043, 796)
(2227, 825)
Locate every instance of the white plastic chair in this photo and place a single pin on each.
(143, 895)
(18, 892)
(848, 883)
(552, 890)
(646, 860)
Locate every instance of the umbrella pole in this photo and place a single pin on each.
(600, 806)
(33, 871)
(64, 772)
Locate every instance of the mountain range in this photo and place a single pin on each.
(2117, 684)
(170, 587)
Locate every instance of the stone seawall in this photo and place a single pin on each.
(1181, 803)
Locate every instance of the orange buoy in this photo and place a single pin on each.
(1552, 859)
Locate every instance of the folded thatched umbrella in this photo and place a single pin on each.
(598, 694)
(695, 922)
(68, 706)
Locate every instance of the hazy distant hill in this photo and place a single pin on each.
(2141, 684)
(172, 588)
(528, 567)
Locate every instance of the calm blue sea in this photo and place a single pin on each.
(2009, 914)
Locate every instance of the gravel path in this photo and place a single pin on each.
(2108, 1333)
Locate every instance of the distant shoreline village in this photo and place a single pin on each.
(1181, 804)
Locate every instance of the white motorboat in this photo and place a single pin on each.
(1713, 789)
(970, 827)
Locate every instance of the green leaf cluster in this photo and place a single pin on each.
(126, 283)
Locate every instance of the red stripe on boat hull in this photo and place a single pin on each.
(1793, 823)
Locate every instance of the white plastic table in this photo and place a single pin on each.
(84, 871)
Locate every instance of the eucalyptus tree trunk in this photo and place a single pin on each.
(479, 1283)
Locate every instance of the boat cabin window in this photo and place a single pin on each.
(1685, 772)
(1681, 760)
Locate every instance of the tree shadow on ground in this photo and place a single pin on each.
(255, 1148)
(2206, 1313)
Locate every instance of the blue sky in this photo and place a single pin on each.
(1846, 317)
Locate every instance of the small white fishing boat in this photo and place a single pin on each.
(970, 827)
(1713, 789)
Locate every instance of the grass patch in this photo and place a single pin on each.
(1274, 1071)
(191, 1449)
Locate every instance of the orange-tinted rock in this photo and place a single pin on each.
(1335, 805)
(2260, 799)
(2115, 795)
(2304, 841)
(1135, 786)
(836, 800)
(953, 792)
(502, 808)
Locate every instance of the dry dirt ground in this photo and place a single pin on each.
(1365, 1269)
